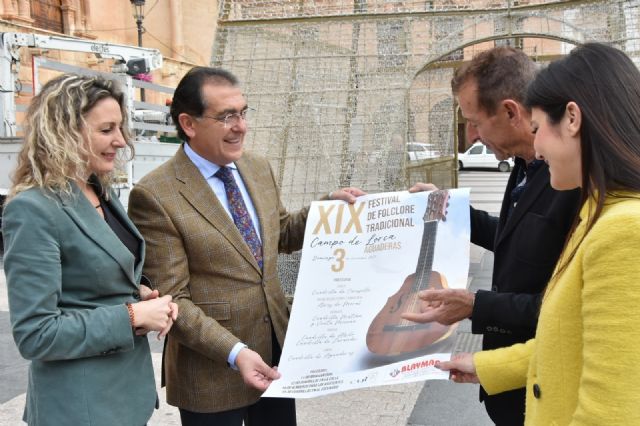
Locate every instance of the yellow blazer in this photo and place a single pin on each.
(583, 366)
(196, 254)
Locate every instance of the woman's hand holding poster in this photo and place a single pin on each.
(362, 266)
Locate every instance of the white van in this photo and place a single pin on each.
(478, 155)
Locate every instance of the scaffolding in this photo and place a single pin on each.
(340, 87)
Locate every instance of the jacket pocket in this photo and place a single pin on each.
(219, 311)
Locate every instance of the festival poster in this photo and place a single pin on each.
(361, 268)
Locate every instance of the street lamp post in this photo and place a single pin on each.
(138, 14)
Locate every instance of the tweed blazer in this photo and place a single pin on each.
(582, 366)
(69, 277)
(196, 254)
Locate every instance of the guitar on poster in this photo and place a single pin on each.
(389, 334)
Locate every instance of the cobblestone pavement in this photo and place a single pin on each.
(419, 403)
(432, 403)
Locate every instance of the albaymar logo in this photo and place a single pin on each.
(418, 365)
(413, 366)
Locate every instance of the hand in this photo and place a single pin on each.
(147, 294)
(173, 316)
(155, 314)
(419, 187)
(444, 306)
(254, 371)
(461, 368)
(347, 194)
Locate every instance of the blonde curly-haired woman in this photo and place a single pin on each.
(73, 262)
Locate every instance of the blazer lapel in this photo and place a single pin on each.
(83, 214)
(119, 211)
(533, 191)
(199, 194)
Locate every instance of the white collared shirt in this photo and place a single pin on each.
(208, 170)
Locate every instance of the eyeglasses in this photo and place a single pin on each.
(231, 120)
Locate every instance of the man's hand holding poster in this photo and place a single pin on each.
(362, 267)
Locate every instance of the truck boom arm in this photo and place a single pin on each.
(136, 60)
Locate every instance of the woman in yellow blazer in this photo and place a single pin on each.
(582, 368)
(73, 261)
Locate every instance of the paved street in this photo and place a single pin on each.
(433, 403)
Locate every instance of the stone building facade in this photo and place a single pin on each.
(182, 30)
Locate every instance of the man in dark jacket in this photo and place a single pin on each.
(534, 219)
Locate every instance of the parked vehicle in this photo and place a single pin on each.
(478, 155)
(421, 151)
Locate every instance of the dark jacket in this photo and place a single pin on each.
(526, 246)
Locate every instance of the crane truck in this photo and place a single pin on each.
(128, 61)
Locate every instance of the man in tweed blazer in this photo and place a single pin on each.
(220, 354)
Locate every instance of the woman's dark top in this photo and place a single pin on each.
(122, 232)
